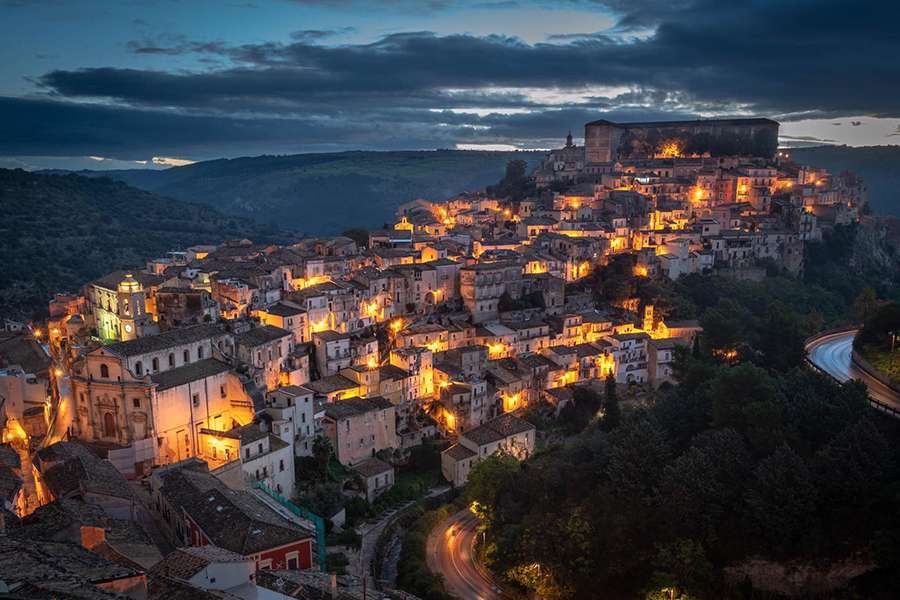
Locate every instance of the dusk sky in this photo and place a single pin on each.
(112, 84)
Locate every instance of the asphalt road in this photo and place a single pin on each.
(451, 552)
(831, 353)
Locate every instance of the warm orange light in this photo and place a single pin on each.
(496, 350)
(697, 194)
(321, 325)
(396, 325)
(606, 365)
(370, 309)
(583, 269)
(372, 362)
(58, 372)
(671, 149)
(640, 271)
(38, 333)
(450, 420)
(511, 401)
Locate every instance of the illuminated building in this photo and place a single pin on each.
(121, 305)
(506, 433)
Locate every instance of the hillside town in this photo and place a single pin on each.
(156, 427)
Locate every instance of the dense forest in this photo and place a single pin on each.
(326, 193)
(752, 477)
(61, 231)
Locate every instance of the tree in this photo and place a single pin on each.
(486, 479)
(322, 453)
(865, 305)
(612, 414)
(782, 498)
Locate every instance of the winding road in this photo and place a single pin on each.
(451, 552)
(832, 354)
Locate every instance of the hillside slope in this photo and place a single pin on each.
(60, 231)
(878, 165)
(326, 193)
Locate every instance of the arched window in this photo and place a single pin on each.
(171, 359)
(187, 357)
(139, 368)
(155, 365)
(104, 371)
(199, 352)
(109, 425)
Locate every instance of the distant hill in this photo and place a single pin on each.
(59, 231)
(325, 193)
(878, 165)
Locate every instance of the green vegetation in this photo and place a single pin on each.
(59, 232)
(879, 340)
(414, 479)
(413, 574)
(751, 457)
(327, 193)
(734, 463)
(336, 562)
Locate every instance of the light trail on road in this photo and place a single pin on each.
(833, 354)
(451, 553)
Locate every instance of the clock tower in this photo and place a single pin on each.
(133, 317)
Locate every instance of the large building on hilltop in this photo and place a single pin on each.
(605, 141)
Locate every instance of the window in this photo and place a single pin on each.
(196, 400)
(136, 402)
(281, 465)
(247, 453)
(222, 391)
(104, 371)
(199, 352)
(187, 357)
(139, 368)
(171, 359)
(259, 447)
(155, 365)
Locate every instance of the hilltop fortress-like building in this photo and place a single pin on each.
(605, 141)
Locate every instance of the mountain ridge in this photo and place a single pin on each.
(325, 193)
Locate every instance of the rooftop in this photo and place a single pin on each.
(372, 467)
(498, 429)
(351, 407)
(164, 341)
(188, 373)
(261, 335)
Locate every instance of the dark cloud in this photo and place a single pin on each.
(789, 59)
(766, 58)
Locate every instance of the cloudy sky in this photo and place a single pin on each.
(107, 84)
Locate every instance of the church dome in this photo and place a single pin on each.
(130, 285)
